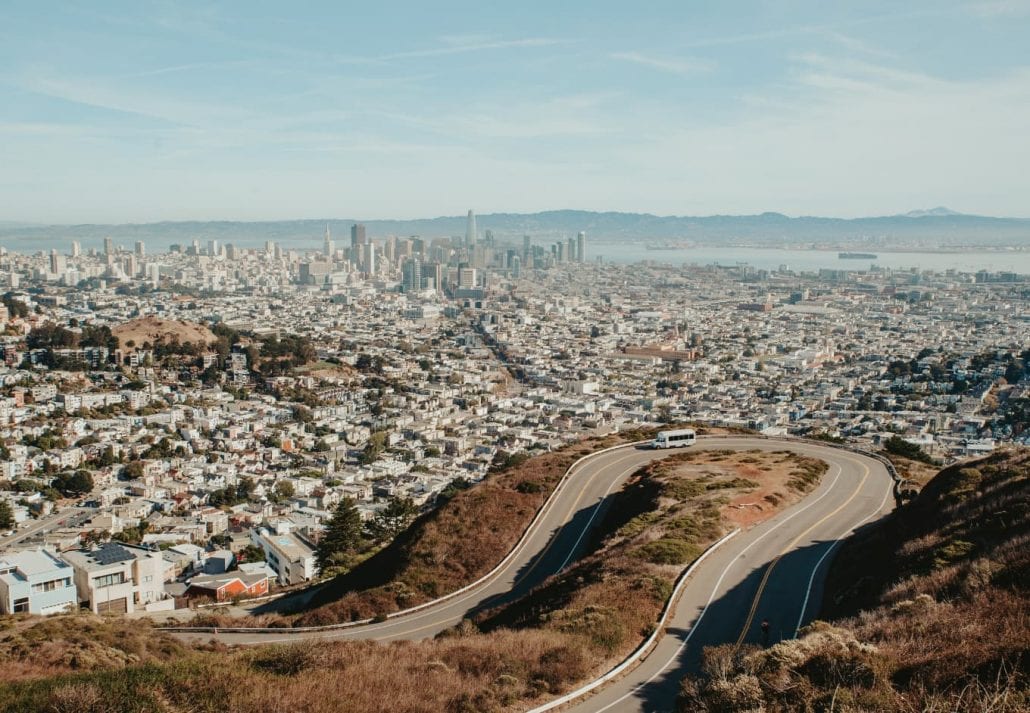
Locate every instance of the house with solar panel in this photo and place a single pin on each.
(117, 577)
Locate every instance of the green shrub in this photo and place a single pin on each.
(638, 524)
(667, 550)
(954, 551)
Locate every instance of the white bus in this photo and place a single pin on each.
(674, 439)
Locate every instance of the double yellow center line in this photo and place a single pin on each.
(789, 548)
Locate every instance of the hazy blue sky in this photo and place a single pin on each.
(141, 111)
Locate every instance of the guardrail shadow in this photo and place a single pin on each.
(779, 605)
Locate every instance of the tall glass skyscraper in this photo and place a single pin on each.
(470, 230)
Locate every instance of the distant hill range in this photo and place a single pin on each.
(938, 226)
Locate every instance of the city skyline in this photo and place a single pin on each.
(156, 112)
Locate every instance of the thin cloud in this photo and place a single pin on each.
(185, 68)
(1001, 8)
(853, 43)
(858, 73)
(457, 48)
(682, 67)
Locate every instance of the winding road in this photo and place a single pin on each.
(772, 572)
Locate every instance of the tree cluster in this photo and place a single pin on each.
(896, 445)
(73, 485)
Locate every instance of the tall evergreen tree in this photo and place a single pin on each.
(6, 516)
(342, 536)
(393, 519)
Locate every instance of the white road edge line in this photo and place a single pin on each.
(516, 549)
(715, 590)
(604, 679)
(836, 543)
(651, 640)
(597, 509)
(341, 633)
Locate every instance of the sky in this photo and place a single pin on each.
(115, 112)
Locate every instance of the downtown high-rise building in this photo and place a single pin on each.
(581, 247)
(411, 275)
(467, 277)
(470, 230)
(141, 249)
(108, 246)
(56, 263)
(368, 262)
(432, 275)
(76, 248)
(328, 248)
(357, 235)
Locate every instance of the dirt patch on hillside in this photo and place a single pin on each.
(151, 329)
(757, 483)
(328, 370)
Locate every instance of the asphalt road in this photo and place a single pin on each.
(69, 516)
(772, 572)
(554, 542)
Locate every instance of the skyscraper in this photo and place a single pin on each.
(108, 246)
(527, 247)
(56, 263)
(141, 249)
(327, 247)
(76, 248)
(470, 230)
(411, 275)
(581, 246)
(369, 263)
(432, 275)
(357, 235)
(467, 277)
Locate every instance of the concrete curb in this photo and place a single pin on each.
(642, 651)
(515, 550)
(519, 545)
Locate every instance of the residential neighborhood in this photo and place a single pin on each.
(179, 428)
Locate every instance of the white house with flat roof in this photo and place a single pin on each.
(117, 577)
(292, 558)
(36, 582)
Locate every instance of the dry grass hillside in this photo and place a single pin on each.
(664, 517)
(460, 673)
(451, 546)
(443, 550)
(567, 631)
(151, 329)
(31, 647)
(928, 612)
